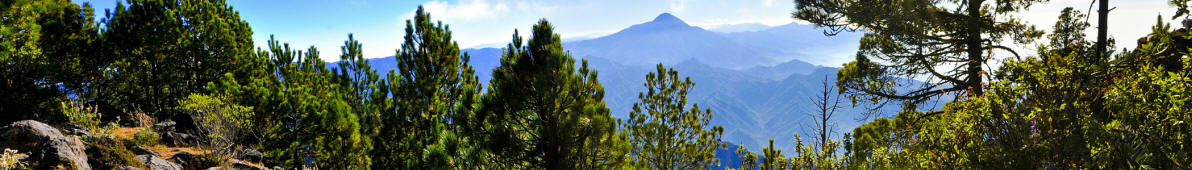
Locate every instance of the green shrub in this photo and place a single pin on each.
(109, 153)
(106, 130)
(221, 125)
(76, 112)
(145, 137)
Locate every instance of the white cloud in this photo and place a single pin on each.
(678, 5)
(464, 10)
(767, 3)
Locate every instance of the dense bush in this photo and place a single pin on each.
(76, 112)
(109, 153)
(220, 125)
(144, 137)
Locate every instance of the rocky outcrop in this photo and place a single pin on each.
(76, 129)
(166, 126)
(251, 155)
(237, 164)
(143, 151)
(177, 139)
(46, 145)
(188, 160)
(155, 163)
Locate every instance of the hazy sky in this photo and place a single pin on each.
(379, 24)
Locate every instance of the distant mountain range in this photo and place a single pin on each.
(743, 27)
(756, 83)
(667, 39)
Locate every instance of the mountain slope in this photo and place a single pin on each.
(802, 42)
(667, 39)
(755, 98)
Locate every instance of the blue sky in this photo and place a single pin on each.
(379, 24)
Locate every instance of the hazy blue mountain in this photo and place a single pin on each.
(729, 159)
(668, 39)
(744, 27)
(802, 42)
(483, 60)
(781, 71)
(755, 97)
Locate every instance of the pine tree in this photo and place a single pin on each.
(302, 111)
(541, 112)
(166, 49)
(432, 88)
(664, 133)
(944, 43)
(45, 45)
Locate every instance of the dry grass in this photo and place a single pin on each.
(125, 132)
(164, 151)
(169, 152)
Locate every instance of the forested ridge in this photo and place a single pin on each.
(179, 84)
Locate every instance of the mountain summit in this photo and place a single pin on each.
(668, 19)
(669, 40)
(663, 22)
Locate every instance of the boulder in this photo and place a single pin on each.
(143, 151)
(177, 139)
(76, 129)
(137, 120)
(251, 155)
(155, 163)
(166, 126)
(46, 145)
(237, 164)
(187, 160)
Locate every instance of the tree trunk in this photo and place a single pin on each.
(973, 43)
(1102, 29)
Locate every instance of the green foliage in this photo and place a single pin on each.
(943, 43)
(168, 49)
(367, 94)
(144, 137)
(109, 153)
(77, 112)
(663, 133)
(305, 121)
(222, 126)
(1066, 109)
(541, 112)
(433, 86)
(804, 157)
(44, 45)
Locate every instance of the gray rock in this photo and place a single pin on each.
(251, 155)
(176, 139)
(46, 145)
(186, 159)
(237, 164)
(165, 126)
(155, 163)
(76, 129)
(127, 168)
(143, 151)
